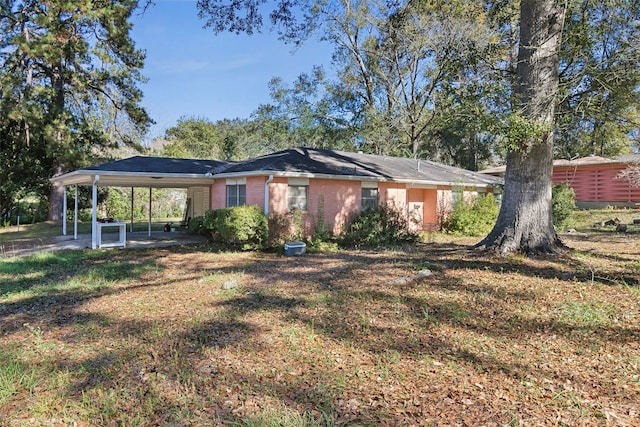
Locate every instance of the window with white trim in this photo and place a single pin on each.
(457, 195)
(297, 197)
(236, 192)
(369, 198)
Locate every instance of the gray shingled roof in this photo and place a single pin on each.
(163, 171)
(340, 163)
(164, 165)
(139, 171)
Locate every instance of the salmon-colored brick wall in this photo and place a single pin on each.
(338, 200)
(422, 204)
(598, 184)
(393, 193)
(219, 194)
(255, 190)
(278, 196)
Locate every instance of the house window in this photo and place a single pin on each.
(369, 198)
(457, 195)
(297, 197)
(236, 195)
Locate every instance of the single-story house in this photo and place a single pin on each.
(595, 180)
(326, 185)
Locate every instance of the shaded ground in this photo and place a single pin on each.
(149, 337)
(137, 240)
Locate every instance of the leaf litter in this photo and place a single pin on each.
(332, 338)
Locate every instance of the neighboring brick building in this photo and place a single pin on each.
(594, 180)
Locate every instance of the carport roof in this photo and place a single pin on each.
(141, 171)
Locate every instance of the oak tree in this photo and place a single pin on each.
(525, 222)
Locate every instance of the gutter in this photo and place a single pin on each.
(87, 172)
(410, 181)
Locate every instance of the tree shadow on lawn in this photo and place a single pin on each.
(58, 293)
(569, 266)
(344, 316)
(52, 269)
(343, 320)
(343, 325)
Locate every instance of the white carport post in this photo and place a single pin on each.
(131, 227)
(94, 213)
(75, 213)
(64, 211)
(149, 211)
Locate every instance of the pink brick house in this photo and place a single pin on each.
(329, 186)
(326, 186)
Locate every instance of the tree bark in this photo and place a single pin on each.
(525, 221)
(56, 194)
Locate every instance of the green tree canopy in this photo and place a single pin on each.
(68, 80)
(193, 138)
(599, 78)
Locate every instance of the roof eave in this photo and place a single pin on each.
(87, 177)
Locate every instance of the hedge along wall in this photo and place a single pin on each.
(337, 200)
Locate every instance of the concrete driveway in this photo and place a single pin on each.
(139, 239)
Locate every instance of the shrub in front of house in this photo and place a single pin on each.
(472, 218)
(286, 227)
(383, 226)
(243, 226)
(196, 225)
(291, 226)
(563, 204)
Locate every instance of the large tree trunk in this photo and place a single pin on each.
(525, 220)
(56, 197)
(56, 194)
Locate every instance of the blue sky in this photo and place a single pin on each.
(193, 72)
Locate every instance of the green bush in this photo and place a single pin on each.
(244, 226)
(196, 225)
(472, 218)
(383, 226)
(563, 204)
(116, 205)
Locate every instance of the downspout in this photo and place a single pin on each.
(266, 195)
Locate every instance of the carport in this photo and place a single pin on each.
(137, 171)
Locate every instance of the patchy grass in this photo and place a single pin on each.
(148, 337)
(583, 220)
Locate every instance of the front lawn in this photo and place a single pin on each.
(149, 337)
